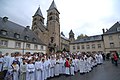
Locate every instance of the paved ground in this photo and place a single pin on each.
(106, 71)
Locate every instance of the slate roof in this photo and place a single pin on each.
(53, 6)
(113, 29)
(13, 28)
(65, 38)
(71, 32)
(89, 39)
(38, 12)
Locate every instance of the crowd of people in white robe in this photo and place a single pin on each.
(41, 67)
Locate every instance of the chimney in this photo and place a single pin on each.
(5, 19)
(28, 27)
(103, 30)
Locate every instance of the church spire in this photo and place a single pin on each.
(53, 6)
(38, 12)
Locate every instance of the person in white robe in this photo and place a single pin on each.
(101, 58)
(15, 68)
(30, 71)
(48, 64)
(88, 64)
(46, 69)
(23, 66)
(57, 67)
(63, 65)
(81, 65)
(38, 67)
(43, 69)
(52, 67)
(72, 64)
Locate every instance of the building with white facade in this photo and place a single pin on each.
(17, 38)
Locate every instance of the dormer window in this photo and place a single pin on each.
(118, 28)
(17, 35)
(34, 40)
(4, 32)
(26, 38)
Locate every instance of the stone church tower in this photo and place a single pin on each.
(49, 34)
(71, 36)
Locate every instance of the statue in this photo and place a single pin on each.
(52, 45)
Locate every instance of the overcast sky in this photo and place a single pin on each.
(82, 16)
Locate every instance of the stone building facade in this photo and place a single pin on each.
(17, 38)
(108, 42)
(111, 38)
(49, 34)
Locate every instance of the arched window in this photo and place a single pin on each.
(50, 18)
(51, 13)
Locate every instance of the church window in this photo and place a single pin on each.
(57, 15)
(50, 18)
(35, 19)
(41, 20)
(34, 23)
(51, 13)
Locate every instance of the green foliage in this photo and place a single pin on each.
(81, 36)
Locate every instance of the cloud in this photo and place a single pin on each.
(83, 16)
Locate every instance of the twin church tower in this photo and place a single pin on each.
(49, 34)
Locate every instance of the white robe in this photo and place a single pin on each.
(63, 66)
(52, 67)
(23, 71)
(15, 71)
(81, 65)
(11, 61)
(6, 62)
(38, 67)
(72, 68)
(43, 71)
(57, 68)
(60, 66)
(30, 72)
(76, 64)
(89, 64)
(46, 69)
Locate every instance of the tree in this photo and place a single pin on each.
(81, 36)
